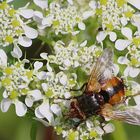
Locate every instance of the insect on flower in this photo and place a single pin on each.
(102, 94)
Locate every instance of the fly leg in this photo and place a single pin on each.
(81, 88)
(102, 120)
(77, 124)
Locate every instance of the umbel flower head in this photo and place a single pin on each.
(14, 30)
(61, 19)
(16, 81)
(114, 13)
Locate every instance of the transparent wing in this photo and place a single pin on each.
(101, 71)
(130, 115)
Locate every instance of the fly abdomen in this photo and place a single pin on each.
(88, 104)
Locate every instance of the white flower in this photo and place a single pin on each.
(20, 107)
(132, 69)
(15, 81)
(60, 19)
(114, 14)
(122, 44)
(13, 29)
(73, 55)
(47, 111)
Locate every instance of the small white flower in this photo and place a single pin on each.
(14, 29)
(21, 108)
(132, 69)
(114, 14)
(60, 19)
(122, 44)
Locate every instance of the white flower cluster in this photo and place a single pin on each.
(61, 19)
(73, 55)
(15, 82)
(132, 58)
(13, 29)
(114, 13)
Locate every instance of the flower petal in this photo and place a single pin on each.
(83, 44)
(5, 94)
(44, 56)
(133, 72)
(101, 36)
(136, 21)
(123, 60)
(56, 109)
(47, 21)
(112, 36)
(38, 114)
(24, 41)
(109, 128)
(30, 32)
(26, 13)
(17, 53)
(87, 14)
(3, 59)
(127, 32)
(21, 108)
(38, 65)
(81, 26)
(45, 110)
(49, 67)
(116, 69)
(35, 94)
(5, 104)
(124, 21)
(38, 16)
(93, 4)
(126, 71)
(44, 86)
(29, 101)
(41, 3)
(135, 3)
(121, 44)
(63, 79)
(137, 99)
(70, 2)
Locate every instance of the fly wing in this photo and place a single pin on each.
(101, 71)
(130, 115)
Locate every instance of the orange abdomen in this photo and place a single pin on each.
(113, 90)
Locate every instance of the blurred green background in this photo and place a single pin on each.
(15, 128)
